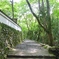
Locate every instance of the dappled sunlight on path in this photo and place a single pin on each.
(30, 48)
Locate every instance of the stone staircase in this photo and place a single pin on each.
(29, 50)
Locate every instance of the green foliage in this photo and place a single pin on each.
(55, 22)
(9, 37)
(55, 30)
(6, 7)
(30, 27)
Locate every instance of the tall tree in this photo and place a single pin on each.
(48, 29)
(49, 23)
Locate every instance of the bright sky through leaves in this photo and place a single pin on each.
(17, 0)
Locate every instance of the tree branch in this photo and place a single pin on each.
(48, 15)
(31, 9)
(36, 16)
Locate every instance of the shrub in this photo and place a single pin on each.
(9, 37)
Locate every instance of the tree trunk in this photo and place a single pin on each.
(48, 31)
(12, 10)
(49, 24)
(50, 39)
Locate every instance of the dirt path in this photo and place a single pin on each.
(30, 48)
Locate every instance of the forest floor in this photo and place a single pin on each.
(29, 48)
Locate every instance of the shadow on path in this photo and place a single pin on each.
(30, 48)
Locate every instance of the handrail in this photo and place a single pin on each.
(8, 21)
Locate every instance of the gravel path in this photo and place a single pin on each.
(30, 48)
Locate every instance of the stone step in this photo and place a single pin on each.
(30, 50)
(41, 57)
